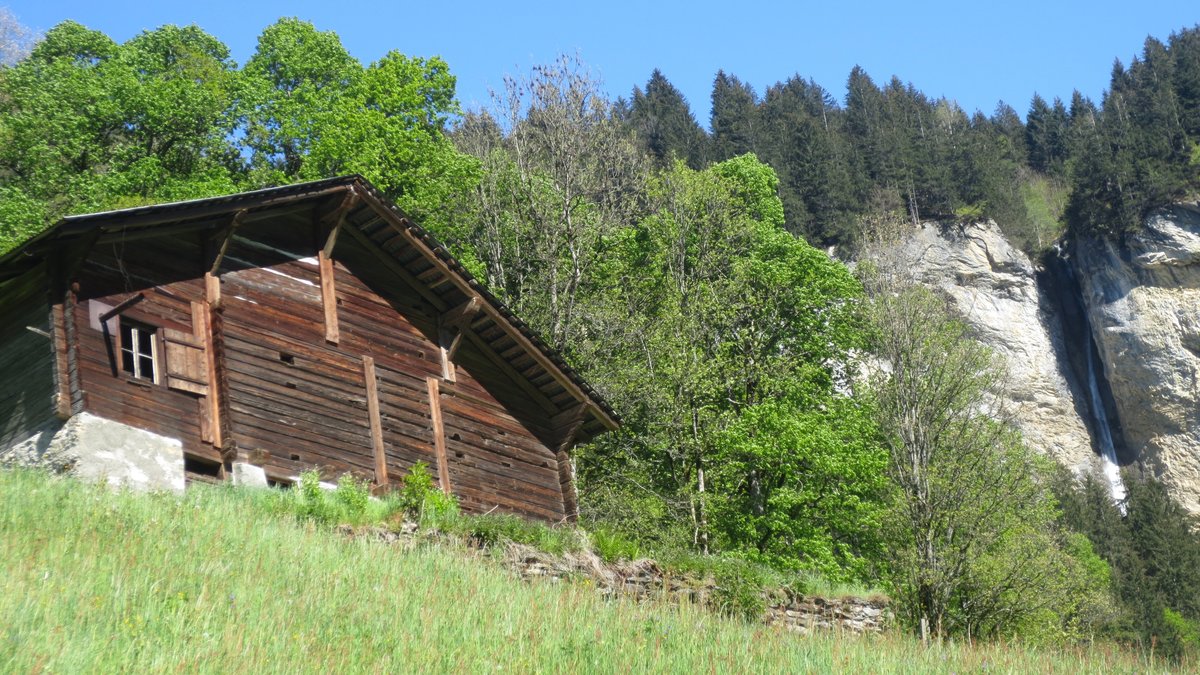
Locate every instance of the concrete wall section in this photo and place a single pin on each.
(98, 449)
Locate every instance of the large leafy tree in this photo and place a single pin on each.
(561, 176)
(91, 124)
(730, 328)
(974, 545)
(310, 110)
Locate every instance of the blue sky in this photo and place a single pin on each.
(974, 52)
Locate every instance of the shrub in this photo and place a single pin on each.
(421, 499)
(493, 529)
(349, 503)
(611, 545)
(352, 496)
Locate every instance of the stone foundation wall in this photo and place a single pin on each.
(645, 580)
(97, 449)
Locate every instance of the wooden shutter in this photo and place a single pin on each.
(187, 363)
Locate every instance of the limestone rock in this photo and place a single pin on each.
(994, 287)
(1143, 302)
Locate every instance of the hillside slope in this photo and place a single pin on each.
(221, 581)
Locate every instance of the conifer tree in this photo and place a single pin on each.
(665, 125)
(734, 117)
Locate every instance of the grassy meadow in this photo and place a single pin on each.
(225, 580)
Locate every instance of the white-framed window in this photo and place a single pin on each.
(139, 350)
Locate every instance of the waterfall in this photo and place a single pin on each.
(1077, 332)
(1108, 453)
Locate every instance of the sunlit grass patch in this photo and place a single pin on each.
(227, 580)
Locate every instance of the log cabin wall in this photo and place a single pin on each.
(28, 388)
(164, 274)
(282, 343)
(298, 401)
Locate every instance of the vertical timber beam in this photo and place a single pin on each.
(439, 432)
(210, 416)
(328, 298)
(214, 347)
(381, 472)
(212, 289)
(566, 463)
(62, 388)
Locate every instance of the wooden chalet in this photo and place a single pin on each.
(299, 327)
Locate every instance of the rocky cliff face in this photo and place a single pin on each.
(995, 287)
(1143, 303)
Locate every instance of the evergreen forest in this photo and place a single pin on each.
(687, 274)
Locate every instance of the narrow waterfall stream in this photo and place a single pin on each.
(1062, 284)
(1108, 452)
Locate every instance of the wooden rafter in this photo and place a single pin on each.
(405, 229)
(226, 237)
(396, 268)
(536, 394)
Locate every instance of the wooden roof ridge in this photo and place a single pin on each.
(146, 217)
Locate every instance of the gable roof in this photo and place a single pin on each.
(406, 249)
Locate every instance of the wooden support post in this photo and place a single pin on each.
(208, 310)
(448, 342)
(381, 472)
(328, 298)
(566, 466)
(451, 326)
(204, 403)
(439, 432)
(58, 329)
(212, 289)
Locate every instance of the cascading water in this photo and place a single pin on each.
(1077, 328)
(1108, 453)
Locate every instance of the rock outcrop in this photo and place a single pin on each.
(1143, 302)
(995, 288)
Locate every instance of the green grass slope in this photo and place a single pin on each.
(222, 580)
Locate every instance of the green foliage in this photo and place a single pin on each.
(612, 546)
(741, 584)
(799, 487)
(88, 124)
(665, 126)
(972, 536)
(497, 529)
(352, 496)
(724, 350)
(1181, 637)
(1134, 154)
(969, 213)
(421, 499)
(349, 503)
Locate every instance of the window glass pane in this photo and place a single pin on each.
(126, 336)
(127, 360)
(145, 342)
(146, 368)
